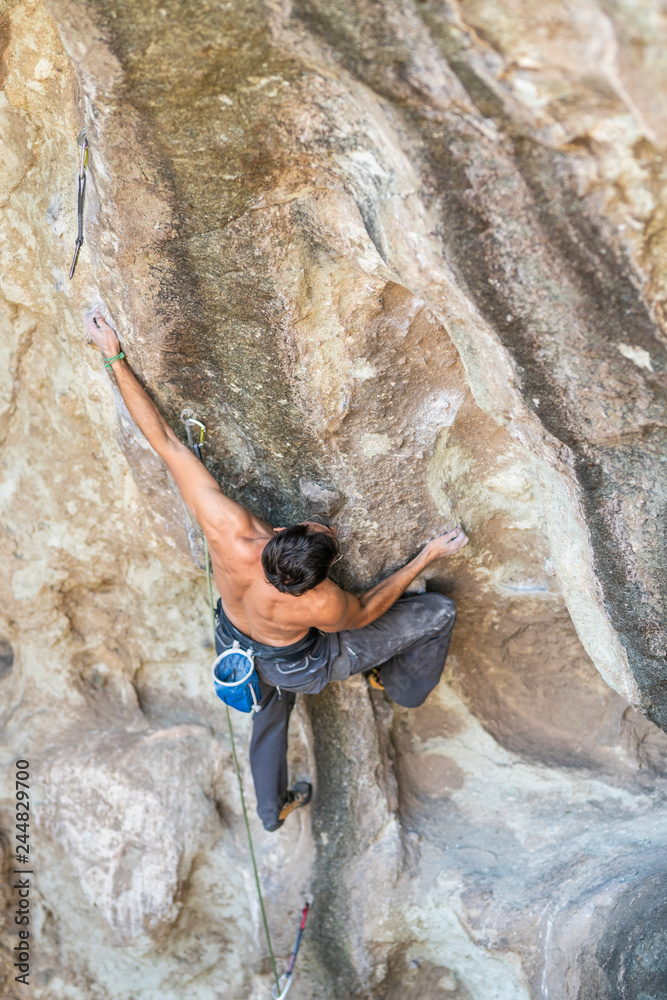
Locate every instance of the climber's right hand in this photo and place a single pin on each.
(100, 332)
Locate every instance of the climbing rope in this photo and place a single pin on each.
(188, 418)
(83, 143)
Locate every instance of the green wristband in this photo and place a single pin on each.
(109, 361)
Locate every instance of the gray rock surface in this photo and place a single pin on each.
(407, 263)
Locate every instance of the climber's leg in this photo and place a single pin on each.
(268, 753)
(408, 644)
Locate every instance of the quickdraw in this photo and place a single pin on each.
(285, 980)
(83, 143)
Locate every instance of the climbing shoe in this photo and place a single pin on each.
(296, 797)
(374, 679)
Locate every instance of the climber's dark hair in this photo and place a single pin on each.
(298, 558)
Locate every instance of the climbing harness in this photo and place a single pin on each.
(285, 980)
(83, 143)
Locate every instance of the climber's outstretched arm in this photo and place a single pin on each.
(214, 511)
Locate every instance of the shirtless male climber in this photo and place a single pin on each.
(276, 598)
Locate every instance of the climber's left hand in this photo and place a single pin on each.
(100, 332)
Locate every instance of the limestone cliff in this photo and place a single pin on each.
(407, 261)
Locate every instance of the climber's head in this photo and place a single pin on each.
(296, 559)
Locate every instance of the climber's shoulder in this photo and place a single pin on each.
(327, 606)
(218, 514)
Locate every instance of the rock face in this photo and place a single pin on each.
(407, 262)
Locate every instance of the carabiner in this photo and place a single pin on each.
(288, 982)
(189, 419)
(83, 142)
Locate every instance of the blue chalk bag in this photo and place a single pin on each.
(235, 679)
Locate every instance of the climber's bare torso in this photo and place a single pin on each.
(251, 603)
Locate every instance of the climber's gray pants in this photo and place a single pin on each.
(408, 644)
